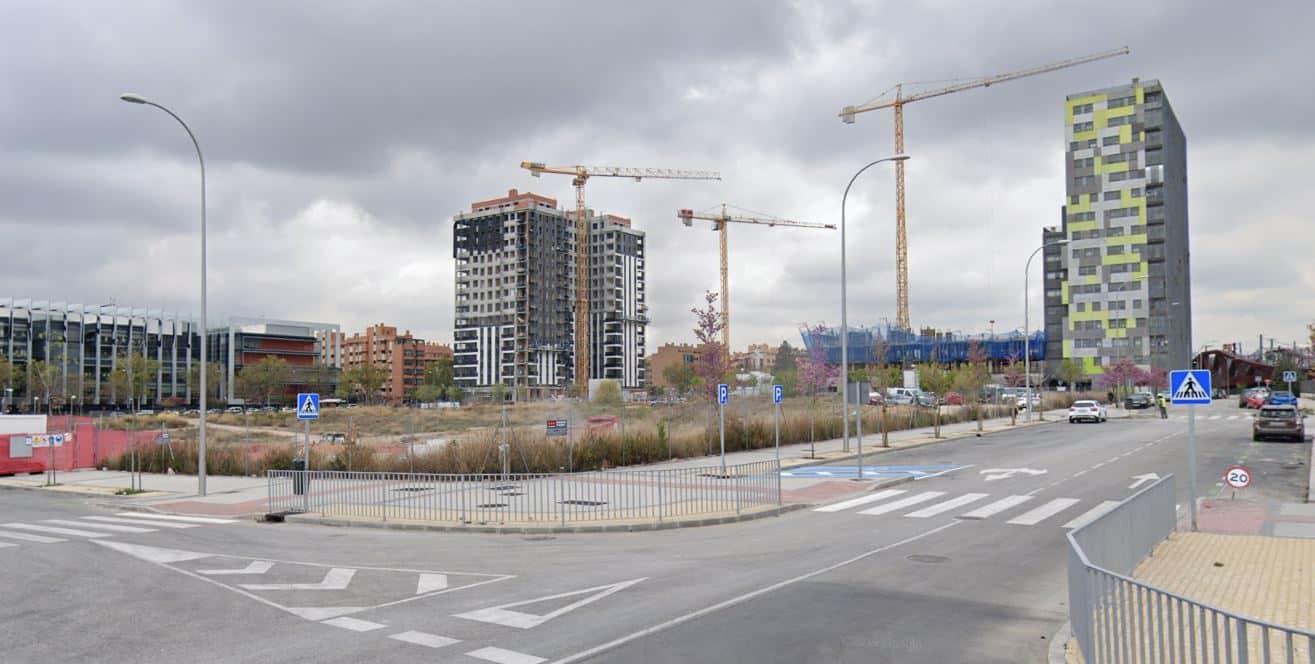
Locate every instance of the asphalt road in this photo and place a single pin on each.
(935, 575)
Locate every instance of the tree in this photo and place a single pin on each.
(1013, 373)
(1122, 376)
(815, 375)
(713, 365)
(1071, 372)
(41, 378)
(263, 380)
(364, 380)
(789, 380)
(784, 358)
(119, 385)
(439, 374)
(932, 377)
(427, 393)
(879, 351)
(679, 376)
(1157, 378)
(214, 378)
(608, 393)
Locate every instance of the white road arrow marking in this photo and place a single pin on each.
(154, 554)
(1142, 479)
(501, 615)
(993, 474)
(256, 567)
(430, 583)
(336, 579)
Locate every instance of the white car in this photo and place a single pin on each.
(1091, 411)
(1022, 403)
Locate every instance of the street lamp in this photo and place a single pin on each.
(1027, 335)
(844, 312)
(200, 462)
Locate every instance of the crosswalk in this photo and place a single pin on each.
(54, 531)
(970, 506)
(1210, 418)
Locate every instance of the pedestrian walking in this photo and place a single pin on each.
(1109, 396)
(1164, 411)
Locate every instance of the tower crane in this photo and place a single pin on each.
(581, 175)
(719, 223)
(901, 241)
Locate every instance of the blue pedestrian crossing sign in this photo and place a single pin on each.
(778, 393)
(1189, 387)
(308, 406)
(723, 393)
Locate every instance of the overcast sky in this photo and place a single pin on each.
(341, 138)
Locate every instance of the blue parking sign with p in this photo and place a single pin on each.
(778, 393)
(308, 406)
(723, 393)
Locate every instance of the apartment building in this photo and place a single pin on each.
(1121, 286)
(617, 309)
(403, 356)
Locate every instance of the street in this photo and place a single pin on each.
(966, 565)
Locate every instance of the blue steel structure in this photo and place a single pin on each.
(905, 345)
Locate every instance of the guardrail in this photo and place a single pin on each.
(536, 498)
(1116, 618)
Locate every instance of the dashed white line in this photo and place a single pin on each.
(500, 656)
(353, 624)
(423, 639)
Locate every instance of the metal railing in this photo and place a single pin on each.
(534, 498)
(1116, 618)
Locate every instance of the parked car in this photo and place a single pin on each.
(953, 399)
(1257, 400)
(1138, 401)
(1023, 402)
(234, 410)
(1087, 411)
(926, 399)
(334, 437)
(1281, 399)
(875, 399)
(1244, 400)
(901, 395)
(1279, 422)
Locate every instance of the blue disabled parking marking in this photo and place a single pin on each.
(873, 472)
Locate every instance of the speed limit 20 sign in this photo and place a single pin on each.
(1237, 477)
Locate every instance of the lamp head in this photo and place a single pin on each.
(900, 157)
(132, 98)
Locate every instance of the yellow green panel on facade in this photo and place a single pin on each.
(1125, 134)
(1087, 315)
(1090, 367)
(1111, 167)
(1075, 226)
(1141, 94)
(1120, 259)
(1116, 333)
(1067, 349)
(1093, 279)
(1063, 293)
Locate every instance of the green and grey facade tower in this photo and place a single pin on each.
(1121, 287)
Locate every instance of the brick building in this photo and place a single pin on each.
(404, 356)
(666, 355)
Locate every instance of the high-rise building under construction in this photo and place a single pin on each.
(1121, 286)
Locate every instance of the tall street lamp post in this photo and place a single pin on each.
(1027, 333)
(200, 462)
(844, 312)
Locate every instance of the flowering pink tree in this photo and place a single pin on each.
(1124, 374)
(815, 375)
(712, 365)
(1013, 372)
(1158, 378)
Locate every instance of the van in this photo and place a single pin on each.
(901, 395)
(333, 437)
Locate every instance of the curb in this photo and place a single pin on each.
(878, 449)
(1310, 481)
(1058, 652)
(534, 530)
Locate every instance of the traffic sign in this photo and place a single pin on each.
(778, 393)
(1237, 477)
(559, 427)
(1289, 376)
(723, 393)
(1188, 387)
(308, 406)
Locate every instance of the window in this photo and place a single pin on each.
(1080, 307)
(1115, 305)
(1091, 198)
(1053, 292)
(1084, 180)
(1118, 177)
(1086, 343)
(1073, 147)
(1079, 127)
(1119, 102)
(1084, 162)
(1095, 306)
(1113, 195)
(1114, 250)
(1135, 192)
(1073, 200)
(1136, 304)
(1152, 98)
(1120, 121)
(1079, 109)
(1120, 268)
(1087, 270)
(1110, 140)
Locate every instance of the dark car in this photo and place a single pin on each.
(1279, 422)
(1138, 401)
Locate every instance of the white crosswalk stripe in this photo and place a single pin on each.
(946, 506)
(991, 509)
(99, 526)
(904, 502)
(1214, 417)
(1092, 514)
(154, 524)
(151, 516)
(27, 537)
(863, 500)
(1043, 512)
(6, 545)
(55, 531)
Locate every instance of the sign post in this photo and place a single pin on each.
(308, 408)
(1190, 387)
(778, 395)
(723, 396)
(1237, 477)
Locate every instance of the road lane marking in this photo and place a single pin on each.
(159, 524)
(1043, 512)
(946, 506)
(1092, 514)
(423, 639)
(337, 578)
(99, 526)
(904, 502)
(6, 545)
(40, 539)
(353, 624)
(55, 531)
(173, 517)
(740, 599)
(503, 615)
(996, 507)
(924, 477)
(256, 567)
(429, 583)
(870, 498)
(500, 656)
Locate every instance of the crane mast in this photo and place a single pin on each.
(901, 235)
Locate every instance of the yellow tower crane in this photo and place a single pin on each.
(901, 241)
(719, 223)
(581, 175)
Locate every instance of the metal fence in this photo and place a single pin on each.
(556, 498)
(1118, 619)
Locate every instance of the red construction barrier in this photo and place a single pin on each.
(87, 449)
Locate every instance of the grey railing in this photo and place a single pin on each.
(534, 498)
(1116, 618)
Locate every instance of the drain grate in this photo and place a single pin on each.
(505, 487)
(718, 476)
(927, 558)
(489, 506)
(586, 503)
(513, 493)
(411, 488)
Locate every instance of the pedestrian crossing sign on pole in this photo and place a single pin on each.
(1189, 387)
(308, 406)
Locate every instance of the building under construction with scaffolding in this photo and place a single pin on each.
(515, 282)
(893, 345)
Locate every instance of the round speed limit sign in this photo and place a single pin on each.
(1237, 477)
